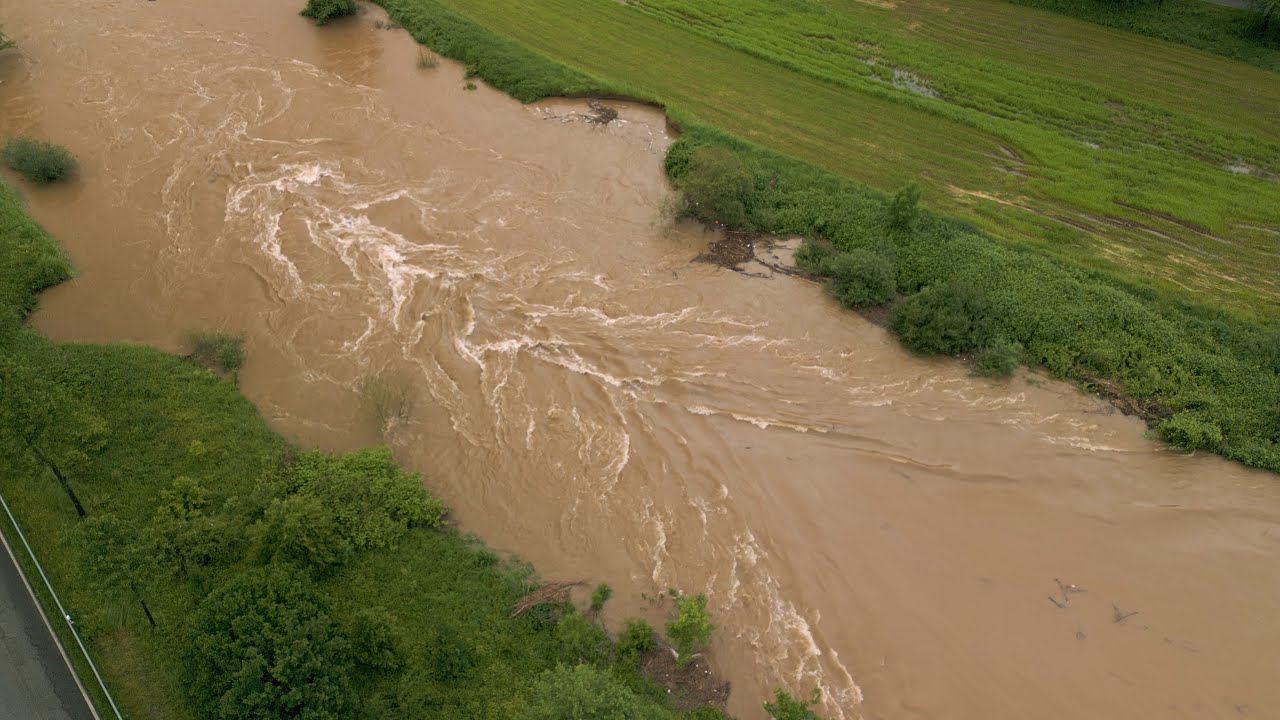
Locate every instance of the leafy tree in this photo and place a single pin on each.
(183, 533)
(862, 277)
(691, 628)
(375, 641)
(115, 559)
(299, 529)
(6, 43)
(902, 210)
(1266, 10)
(716, 187)
(582, 692)
(322, 11)
(373, 501)
(945, 320)
(54, 425)
(263, 646)
(786, 707)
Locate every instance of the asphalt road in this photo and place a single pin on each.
(35, 682)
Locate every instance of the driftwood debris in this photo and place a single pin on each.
(601, 114)
(554, 592)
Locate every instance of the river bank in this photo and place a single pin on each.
(588, 396)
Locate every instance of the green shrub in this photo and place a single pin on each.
(582, 692)
(39, 162)
(691, 628)
(600, 596)
(217, 350)
(861, 277)
(716, 186)
(999, 359)
(322, 11)
(581, 640)
(786, 707)
(637, 639)
(945, 319)
(6, 43)
(1188, 430)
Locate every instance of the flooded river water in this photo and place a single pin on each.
(585, 395)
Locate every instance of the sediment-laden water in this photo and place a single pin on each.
(589, 397)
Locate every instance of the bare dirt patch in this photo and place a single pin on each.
(691, 685)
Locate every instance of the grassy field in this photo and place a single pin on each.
(282, 584)
(1153, 161)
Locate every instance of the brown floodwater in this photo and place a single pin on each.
(884, 527)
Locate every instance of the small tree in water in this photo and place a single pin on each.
(691, 628)
(786, 707)
(322, 11)
(6, 43)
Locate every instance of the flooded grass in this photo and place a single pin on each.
(1029, 108)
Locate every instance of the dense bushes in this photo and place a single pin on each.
(322, 11)
(861, 277)
(264, 646)
(38, 161)
(947, 319)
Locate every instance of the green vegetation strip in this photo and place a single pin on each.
(217, 572)
(800, 78)
(1244, 34)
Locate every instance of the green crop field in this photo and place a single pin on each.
(1151, 160)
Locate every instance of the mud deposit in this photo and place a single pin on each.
(588, 395)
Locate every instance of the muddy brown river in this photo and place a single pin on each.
(886, 528)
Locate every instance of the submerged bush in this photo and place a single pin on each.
(786, 707)
(945, 320)
(40, 162)
(813, 255)
(322, 11)
(861, 277)
(1187, 430)
(217, 350)
(999, 359)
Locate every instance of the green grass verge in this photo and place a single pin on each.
(1201, 24)
(445, 598)
(1206, 377)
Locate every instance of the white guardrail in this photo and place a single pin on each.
(61, 611)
